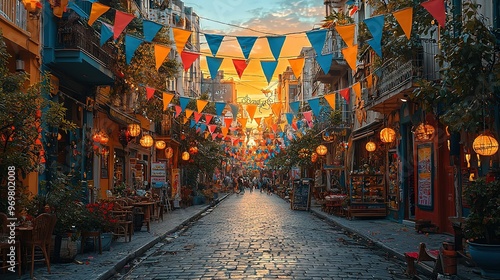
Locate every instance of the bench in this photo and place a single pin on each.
(420, 256)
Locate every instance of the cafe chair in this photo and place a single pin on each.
(5, 246)
(41, 237)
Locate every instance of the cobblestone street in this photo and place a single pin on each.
(257, 236)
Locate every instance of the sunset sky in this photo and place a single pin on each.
(256, 18)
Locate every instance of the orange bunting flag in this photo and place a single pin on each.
(251, 108)
(197, 116)
(243, 122)
(351, 55)
(275, 127)
(346, 32)
(369, 81)
(184, 120)
(161, 52)
(208, 118)
(189, 112)
(257, 120)
(345, 93)
(225, 130)
(188, 58)
(405, 20)
(167, 97)
(97, 10)
(269, 121)
(57, 10)
(276, 107)
(297, 65)
(150, 92)
(330, 98)
(121, 21)
(357, 89)
(200, 104)
(228, 122)
(180, 36)
(240, 65)
(207, 134)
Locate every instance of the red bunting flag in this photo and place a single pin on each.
(437, 10)
(121, 21)
(150, 92)
(197, 116)
(188, 58)
(208, 118)
(178, 110)
(240, 65)
(345, 93)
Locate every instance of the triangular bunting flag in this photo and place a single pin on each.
(189, 112)
(330, 98)
(276, 44)
(184, 101)
(150, 29)
(375, 25)
(325, 61)
(228, 122)
(184, 120)
(208, 118)
(243, 122)
(188, 58)
(240, 65)
(214, 65)
(297, 65)
(214, 136)
(121, 21)
(96, 11)
(369, 81)
(251, 108)
(376, 46)
(167, 97)
(345, 93)
(106, 33)
(357, 89)
(275, 128)
(214, 42)
(161, 52)
(315, 107)
(178, 110)
(197, 116)
(200, 105)
(131, 45)
(246, 44)
(180, 36)
(219, 108)
(405, 20)
(257, 120)
(276, 108)
(346, 32)
(234, 109)
(294, 125)
(351, 56)
(224, 130)
(307, 115)
(295, 106)
(150, 92)
(268, 67)
(282, 126)
(192, 124)
(437, 10)
(211, 128)
(289, 118)
(317, 39)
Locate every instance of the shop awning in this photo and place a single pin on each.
(120, 117)
(367, 130)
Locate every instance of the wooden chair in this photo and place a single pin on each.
(124, 226)
(423, 255)
(41, 237)
(5, 246)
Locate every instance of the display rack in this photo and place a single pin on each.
(367, 196)
(393, 188)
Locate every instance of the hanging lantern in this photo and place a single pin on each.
(59, 136)
(160, 145)
(193, 150)
(146, 141)
(169, 152)
(314, 157)
(485, 145)
(104, 139)
(387, 135)
(97, 137)
(321, 150)
(185, 156)
(134, 129)
(370, 146)
(424, 132)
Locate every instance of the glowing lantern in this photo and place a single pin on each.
(185, 156)
(134, 129)
(160, 145)
(321, 150)
(387, 135)
(314, 157)
(424, 132)
(370, 146)
(169, 152)
(193, 150)
(96, 137)
(146, 141)
(485, 145)
(104, 139)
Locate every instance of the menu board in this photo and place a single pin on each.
(301, 194)
(158, 174)
(424, 176)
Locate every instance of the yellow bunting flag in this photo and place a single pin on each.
(350, 55)
(357, 89)
(282, 126)
(207, 134)
(276, 107)
(161, 52)
(189, 112)
(180, 36)
(243, 122)
(257, 120)
(251, 110)
(167, 97)
(297, 64)
(97, 10)
(347, 33)
(330, 98)
(224, 130)
(369, 81)
(200, 104)
(405, 20)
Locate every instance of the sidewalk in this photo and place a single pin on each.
(95, 266)
(396, 239)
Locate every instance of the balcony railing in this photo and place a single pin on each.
(80, 36)
(14, 11)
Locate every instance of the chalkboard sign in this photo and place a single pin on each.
(301, 194)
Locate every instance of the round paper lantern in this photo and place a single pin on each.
(185, 156)
(370, 146)
(387, 135)
(160, 145)
(485, 145)
(169, 152)
(314, 157)
(424, 132)
(321, 150)
(146, 141)
(96, 137)
(134, 129)
(104, 139)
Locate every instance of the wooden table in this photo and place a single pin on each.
(23, 233)
(147, 207)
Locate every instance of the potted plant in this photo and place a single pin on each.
(98, 217)
(482, 226)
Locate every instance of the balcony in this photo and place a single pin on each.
(334, 45)
(78, 53)
(14, 12)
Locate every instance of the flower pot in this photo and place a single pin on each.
(487, 258)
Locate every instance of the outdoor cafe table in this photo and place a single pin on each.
(147, 209)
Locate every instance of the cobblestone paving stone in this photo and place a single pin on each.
(256, 236)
